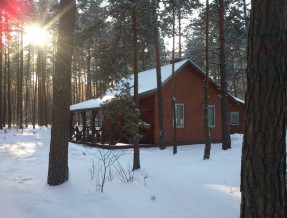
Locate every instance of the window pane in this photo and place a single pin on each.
(179, 115)
(211, 116)
(234, 118)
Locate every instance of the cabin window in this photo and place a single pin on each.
(211, 115)
(234, 118)
(179, 113)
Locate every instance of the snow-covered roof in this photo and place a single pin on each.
(147, 84)
(238, 99)
(148, 81)
(92, 103)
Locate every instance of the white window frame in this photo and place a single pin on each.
(233, 113)
(212, 126)
(180, 104)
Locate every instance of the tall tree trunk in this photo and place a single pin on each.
(79, 84)
(9, 83)
(136, 163)
(27, 96)
(179, 32)
(162, 143)
(1, 52)
(83, 88)
(14, 102)
(21, 80)
(234, 79)
(35, 101)
(58, 172)
(17, 88)
(173, 84)
(39, 88)
(5, 89)
(263, 166)
(49, 106)
(226, 142)
(206, 96)
(44, 93)
(42, 97)
(89, 76)
(243, 76)
(143, 61)
(96, 81)
(75, 83)
(243, 70)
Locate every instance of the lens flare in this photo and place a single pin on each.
(34, 34)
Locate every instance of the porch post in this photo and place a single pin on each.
(94, 113)
(71, 125)
(112, 133)
(84, 125)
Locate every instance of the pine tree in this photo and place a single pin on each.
(205, 107)
(1, 55)
(58, 172)
(162, 143)
(21, 72)
(28, 87)
(8, 36)
(173, 100)
(226, 142)
(263, 166)
(235, 49)
(136, 163)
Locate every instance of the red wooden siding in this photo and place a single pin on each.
(147, 106)
(236, 107)
(189, 90)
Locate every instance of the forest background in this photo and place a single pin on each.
(104, 49)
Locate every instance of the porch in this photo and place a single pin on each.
(89, 127)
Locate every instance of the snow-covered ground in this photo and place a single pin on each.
(181, 185)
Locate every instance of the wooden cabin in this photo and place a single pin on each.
(87, 123)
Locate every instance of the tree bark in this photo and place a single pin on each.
(89, 76)
(58, 172)
(234, 79)
(21, 80)
(179, 32)
(243, 70)
(17, 88)
(205, 107)
(1, 52)
(173, 82)
(243, 77)
(143, 58)
(226, 142)
(27, 96)
(9, 82)
(263, 166)
(4, 120)
(136, 163)
(162, 143)
(39, 86)
(42, 96)
(35, 101)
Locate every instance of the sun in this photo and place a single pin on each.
(36, 35)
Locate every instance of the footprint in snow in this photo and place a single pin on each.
(21, 179)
